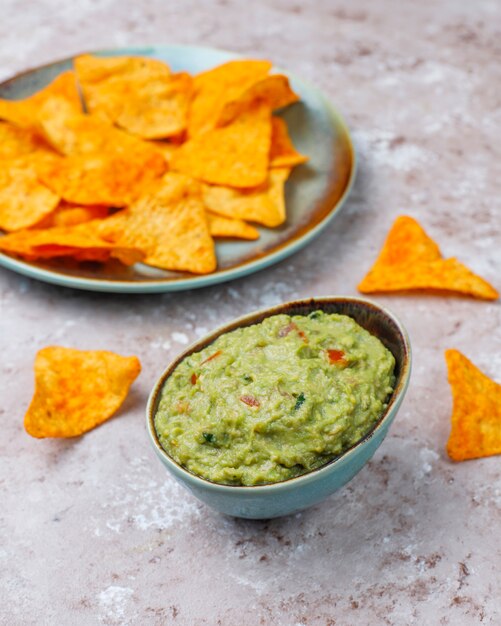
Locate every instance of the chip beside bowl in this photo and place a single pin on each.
(265, 501)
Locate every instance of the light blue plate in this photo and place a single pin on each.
(315, 191)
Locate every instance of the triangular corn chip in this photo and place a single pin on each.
(220, 226)
(109, 180)
(273, 90)
(236, 155)
(80, 242)
(282, 151)
(411, 260)
(24, 113)
(219, 85)
(76, 390)
(264, 204)
(168, 224)
(476, 411)
(67, 214)
(24, 200)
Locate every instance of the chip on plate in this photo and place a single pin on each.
(411, 260)
(82, 242)
(76, 390)
(476, 411)
(264, 204)
(17, 142)
(219, 85)
(89, 179)
(24, 112)
(24, 200)
(168, 224)
(236, 155)
(220, 226)
(67, 214)
(273, 90)
(282, 151)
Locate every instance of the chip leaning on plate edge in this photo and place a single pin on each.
(206, 153)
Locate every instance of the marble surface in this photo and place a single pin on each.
(92, 531)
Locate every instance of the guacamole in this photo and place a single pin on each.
(274, 400)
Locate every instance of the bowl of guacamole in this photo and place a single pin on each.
(276, 410)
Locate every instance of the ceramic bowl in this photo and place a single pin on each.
(295, 494)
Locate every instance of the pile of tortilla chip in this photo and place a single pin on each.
(148, 165)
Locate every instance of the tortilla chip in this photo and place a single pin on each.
(24, 113)
(91, 69)
(264, 204)
(411, 260)
(67, 214)
(108, 180)
(81, 242)
(146, 106)
(476, 411)
(273, 90)
(17, 142)
(236, 155)
(220, 226)
(219, 85)
(282, 151)
(76, 390)
(169, 225)
(24, 200)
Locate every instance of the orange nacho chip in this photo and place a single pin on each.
(411, 260)
(282, 151)
(89, 179)
(76, 390)
(80, 242)
(17, 142)
(139, 95)
(168, 224)
(24, 113)
(476, 411)
(67, 214)
(236, 155)
(220, 226)
(24, 200)
(273, 90)
(219, 85)
(264, 204)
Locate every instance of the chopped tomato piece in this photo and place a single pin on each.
(336, 356)
(249, 400)
(283, 332)
(194, 379)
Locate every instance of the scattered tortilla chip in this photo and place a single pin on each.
(264, 204)
(24, 200)
(274, 90)
(24, 113)
(220, 226)
(411, 260)
(282, 151)
(476, 411)
(236, 155)
(76, 390)
(168, 224)
(219, 85)
(90, 179)
(81, 242)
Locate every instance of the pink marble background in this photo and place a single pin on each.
(93, 531)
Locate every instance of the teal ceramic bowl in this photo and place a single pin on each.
(295, 494)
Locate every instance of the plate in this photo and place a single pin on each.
(314, 192)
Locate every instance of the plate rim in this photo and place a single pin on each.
(193, 282)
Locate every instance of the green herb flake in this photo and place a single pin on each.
(209, 437)
(299, 401)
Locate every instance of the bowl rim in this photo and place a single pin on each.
(247, 320)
